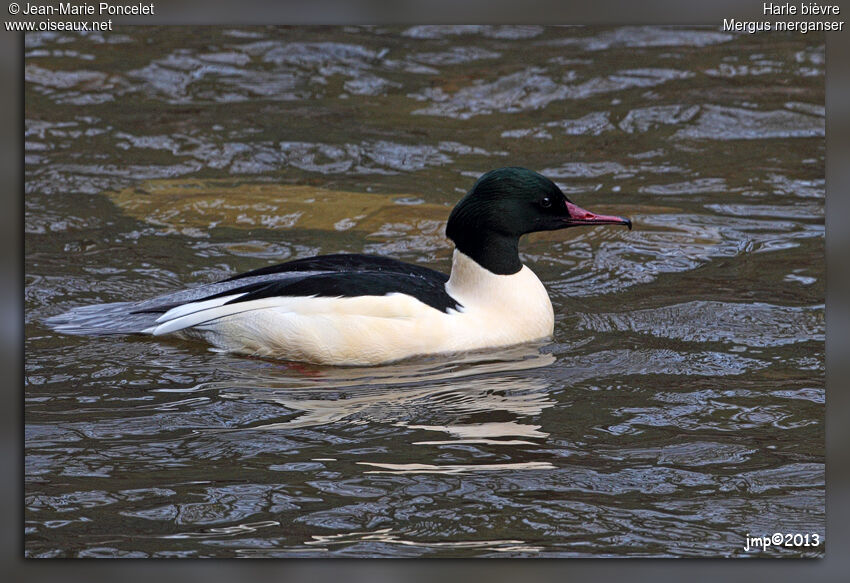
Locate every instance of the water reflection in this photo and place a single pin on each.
(445, 392)
(386, 535)
(454, 469)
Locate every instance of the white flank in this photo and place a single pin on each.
(497, 310)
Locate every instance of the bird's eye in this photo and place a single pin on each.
(546, 202)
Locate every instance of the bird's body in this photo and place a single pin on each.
(491, 310)
(365, 310)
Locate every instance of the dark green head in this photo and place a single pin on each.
(507, 203)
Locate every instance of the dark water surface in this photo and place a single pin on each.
(679, 408)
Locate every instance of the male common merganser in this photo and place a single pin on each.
(351, 309)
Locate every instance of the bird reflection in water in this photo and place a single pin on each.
(473, 398)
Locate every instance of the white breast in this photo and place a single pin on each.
(499, 310)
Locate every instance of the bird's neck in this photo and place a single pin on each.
(469, 278)
(518, 299)
(498, 254)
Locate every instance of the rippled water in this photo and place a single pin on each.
(679, 408)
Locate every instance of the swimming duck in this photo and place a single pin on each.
(351, 309)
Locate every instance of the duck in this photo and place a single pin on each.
(362, 310)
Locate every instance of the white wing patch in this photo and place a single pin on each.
(392, 306)
(195, 313)
(193, 307)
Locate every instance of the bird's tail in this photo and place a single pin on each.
(113, 318)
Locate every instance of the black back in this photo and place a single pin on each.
(348, 263)
(346, 275)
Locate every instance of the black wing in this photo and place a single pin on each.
(343, 275)
(346, 262)
(428, 290)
